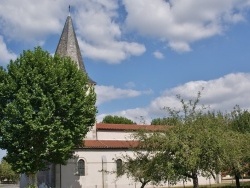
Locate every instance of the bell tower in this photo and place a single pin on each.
(68, 46)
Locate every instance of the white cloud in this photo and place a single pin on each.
(158, 55)
(108, 93)
(29, 20)
(100, 26)
(113, 53)
(96, 22)
(180, 23)
(100, 35)
(220, 94)
(5, 54)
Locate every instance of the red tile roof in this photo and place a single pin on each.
(130, 127)
(109, 144)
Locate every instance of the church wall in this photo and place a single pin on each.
(100, 171)
(113, 135)
(100, 167)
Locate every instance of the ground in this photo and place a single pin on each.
(9, 185)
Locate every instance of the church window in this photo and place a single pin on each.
(119, 166)
(81, 167)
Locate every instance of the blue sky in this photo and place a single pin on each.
(142, 53)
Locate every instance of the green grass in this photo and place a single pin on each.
(221, 185)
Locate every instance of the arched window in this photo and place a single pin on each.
(81, 167)
(119, 166)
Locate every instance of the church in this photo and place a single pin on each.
(103, 147)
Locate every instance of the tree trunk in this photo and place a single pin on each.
(32, 180)
(195, 181)
(143, 184)
(237, 180)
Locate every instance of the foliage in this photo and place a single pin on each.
(117, 120)
(6, 173)
(191, 148)
(240, 120)
(236, 153)
(142, 167)
(236, 146)
(47, 107)
(165, 121)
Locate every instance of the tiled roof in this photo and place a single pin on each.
(68, 46)
(130, 127)
(109, 144)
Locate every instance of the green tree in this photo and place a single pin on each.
(141, 168)
(47, 107)
(6, 172)
(117, 120)
(165, 121)
(192, 147)
(236, 144)
(236, 154)
(240, 120)
(148, 164)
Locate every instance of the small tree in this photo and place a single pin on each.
(6, 173)
(236, 154)
(139, 167)
(47, 107)
(236, 144)
(117, 120)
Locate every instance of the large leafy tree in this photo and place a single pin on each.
(117, 120)
(46, 108)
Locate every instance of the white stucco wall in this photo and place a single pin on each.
(100, 167)
(114, 135)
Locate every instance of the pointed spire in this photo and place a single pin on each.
(68, 45)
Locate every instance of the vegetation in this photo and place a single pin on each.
(117, 120)
(201, 143)
(240, 120)
(46, 108)
(223, 185)
(141, 168)
(165, 121)
(6, 173)
(236, 147)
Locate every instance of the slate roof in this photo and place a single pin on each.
(130, 127)
(68, 46)
(109, 144)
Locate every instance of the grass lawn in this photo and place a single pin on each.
(221, 185)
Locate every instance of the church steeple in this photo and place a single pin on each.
(68, 45)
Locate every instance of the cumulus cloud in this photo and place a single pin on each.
(100, 35)
(29, 20)
(158, 55)
(5, 54)
(96, 22)
(220, 94)
(180, 23)
(108, 93)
